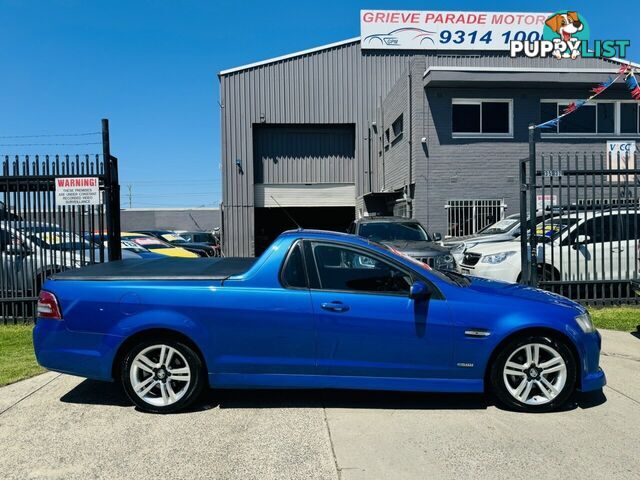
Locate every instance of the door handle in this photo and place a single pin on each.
(334, 306)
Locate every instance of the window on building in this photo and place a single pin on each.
(604, 117)
(466, 217)
(481, 117)
(397, 126)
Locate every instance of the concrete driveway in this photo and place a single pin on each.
(57, 426)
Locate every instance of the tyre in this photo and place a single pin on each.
(162, 375)
(534, 373)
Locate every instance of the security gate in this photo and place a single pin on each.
(46, 226)
(584, 212)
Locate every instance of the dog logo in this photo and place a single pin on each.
(567, 30)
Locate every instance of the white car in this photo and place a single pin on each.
(579, 246)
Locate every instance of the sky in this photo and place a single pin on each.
(150, 67)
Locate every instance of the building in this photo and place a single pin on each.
(205, 219)
(325, 135)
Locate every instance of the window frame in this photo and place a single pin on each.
(479, 101)
(316, 283)
(617, 120)
(285, 262)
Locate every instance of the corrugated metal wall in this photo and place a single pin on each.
(334, 86)
(304, 154)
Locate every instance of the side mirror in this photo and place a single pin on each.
(437, 237)
(582, 239)
(419, 291)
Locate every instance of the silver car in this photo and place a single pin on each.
(503, 230)
(31, 251)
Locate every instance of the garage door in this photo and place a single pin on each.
(318, 195)
(304, 154)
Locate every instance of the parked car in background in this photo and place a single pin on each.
(171, 237)
(316, 310)
(407, 236)
(31, 251)
(504, 230)
(156, 245)
(577, 246)
(129, 248)
(207, 238)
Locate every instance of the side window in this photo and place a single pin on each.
(341, 268)
(293, 273)
(600, 229)
(629, 226)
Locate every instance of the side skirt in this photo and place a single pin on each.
(244, 380)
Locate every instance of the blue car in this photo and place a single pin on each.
(316, 310)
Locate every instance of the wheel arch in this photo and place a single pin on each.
(149, 333)
(557, 334)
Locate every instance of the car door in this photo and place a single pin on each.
(597, 257)
(629, 241)
(367, 324)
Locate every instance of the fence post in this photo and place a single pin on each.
(533, 275)
(524, 254)
(113, 196)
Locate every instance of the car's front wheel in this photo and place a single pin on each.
(162, 376)
(534, 373)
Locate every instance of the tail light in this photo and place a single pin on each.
(48, 306)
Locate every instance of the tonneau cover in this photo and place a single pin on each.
(161, 269)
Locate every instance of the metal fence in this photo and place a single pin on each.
(586, 245)
(38, 237)
(466, 217)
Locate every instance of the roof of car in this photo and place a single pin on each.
(389, 219)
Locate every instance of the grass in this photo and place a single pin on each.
(17, 360)
(625, 319)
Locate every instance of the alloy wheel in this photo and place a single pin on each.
(160, 375)
(535, 374)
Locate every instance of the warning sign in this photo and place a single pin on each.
(77, 191)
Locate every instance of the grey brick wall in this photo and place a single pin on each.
(450, 168)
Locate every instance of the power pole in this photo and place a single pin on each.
(129, 187)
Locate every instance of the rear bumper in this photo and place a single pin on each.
(84, 354)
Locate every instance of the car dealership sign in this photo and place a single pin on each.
(433, 30)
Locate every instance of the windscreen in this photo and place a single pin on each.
(390, 231)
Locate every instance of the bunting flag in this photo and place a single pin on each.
(632, 85)
(625, 71)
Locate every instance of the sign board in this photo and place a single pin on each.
(546, 201)
(621, 155)
(72, 191)
(444, 30)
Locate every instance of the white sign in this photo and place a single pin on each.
(546, 201)
(77, 191)
(433, 30)
(621, 155)
(624, 148)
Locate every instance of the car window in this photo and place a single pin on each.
(503, 226)
(600, 229)
(389, 231)
(342, 268)
(629, 226)
(293, 274)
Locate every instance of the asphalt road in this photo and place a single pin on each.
(57, 426)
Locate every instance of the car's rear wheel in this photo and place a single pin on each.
(162, 376)
(534, 373)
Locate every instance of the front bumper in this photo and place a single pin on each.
(84, 354)
(593, 377)
(503, 272)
